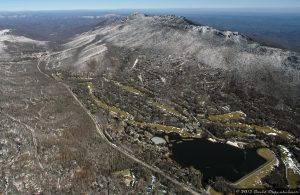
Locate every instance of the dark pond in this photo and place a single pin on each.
(216, 159)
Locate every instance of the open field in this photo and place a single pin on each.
(229, 116)
(262, 129)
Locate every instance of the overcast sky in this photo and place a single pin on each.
(12, 5)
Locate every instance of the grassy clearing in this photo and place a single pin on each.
(266, 154)
(236, 134)
(262, 129)
(239, 115)
(293, 179)
(238, 125)
(211, 191)
(127, 175)
(167, 109)
(124, 173)
(105, 106)
(56, 76)
(80, 79)
(128, 88)
(253, 180)
(113, 109)
(269, 130)
(121, 127)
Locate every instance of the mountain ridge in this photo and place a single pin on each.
(202, 46)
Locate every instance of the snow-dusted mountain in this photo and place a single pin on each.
(10, 42)
(172, 43)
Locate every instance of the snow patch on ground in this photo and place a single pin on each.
(235, 144)
(212, 140)
(163, 79)
(289, 160)
(135, 63)
(140, 78)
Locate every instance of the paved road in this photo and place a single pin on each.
(154, 169)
